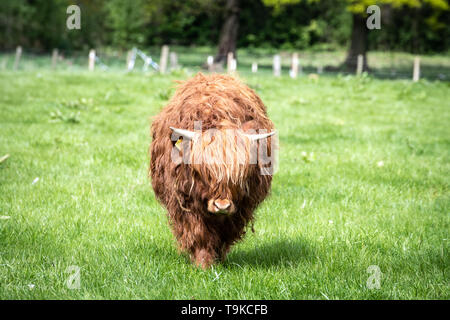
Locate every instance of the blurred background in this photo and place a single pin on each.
(327, 35)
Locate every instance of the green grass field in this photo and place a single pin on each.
(363, 181)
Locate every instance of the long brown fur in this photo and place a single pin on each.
(220, 102)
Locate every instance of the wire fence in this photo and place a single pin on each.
(385, 65)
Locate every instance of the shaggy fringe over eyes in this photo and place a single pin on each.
(222, 156)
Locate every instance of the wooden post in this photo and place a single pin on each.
(91, 60)
(294, 66)
(230, 59)
(131, 59)
(129, 53)
(254, 67)
(54, 58)
(173, 61)
(277, 65)
(359, 65)
(210, 63)
(163, 59)
(416, 70)
(18, 55)
(233, 65)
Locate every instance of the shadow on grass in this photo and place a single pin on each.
(282, 252)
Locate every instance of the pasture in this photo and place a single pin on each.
(363, 181)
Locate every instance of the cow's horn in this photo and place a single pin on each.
(185, 133)
(254, 137)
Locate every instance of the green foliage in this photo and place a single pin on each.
(283, 24)
(359, 6)
(128, 21)
(414, 27)
(294, 26)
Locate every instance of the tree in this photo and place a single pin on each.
(229, 32)
(358, 41)
(40, 25)
(128, 20)
(359, 34)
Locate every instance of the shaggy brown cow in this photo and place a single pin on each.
(210, 203)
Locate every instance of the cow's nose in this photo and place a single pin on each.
(222, 204)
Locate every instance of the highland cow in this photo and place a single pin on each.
(210, 178)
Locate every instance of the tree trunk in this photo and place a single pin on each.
(228, 34)
(358, 44)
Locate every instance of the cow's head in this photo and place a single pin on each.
(221, 161)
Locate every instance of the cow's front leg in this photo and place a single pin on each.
(204, 258)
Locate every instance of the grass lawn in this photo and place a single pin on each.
(363, 181)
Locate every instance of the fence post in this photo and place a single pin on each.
(276, 65)
(131, 59)
(210, 62)
(173, 61)
(359, 65)
(129, 53)
(294, 66)
(163, 59)
(230, 58)
(416, 70)
(54, 58)
(254, 67)
(91, 59)
(18, 55)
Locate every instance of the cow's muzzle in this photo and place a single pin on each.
(221, 206)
